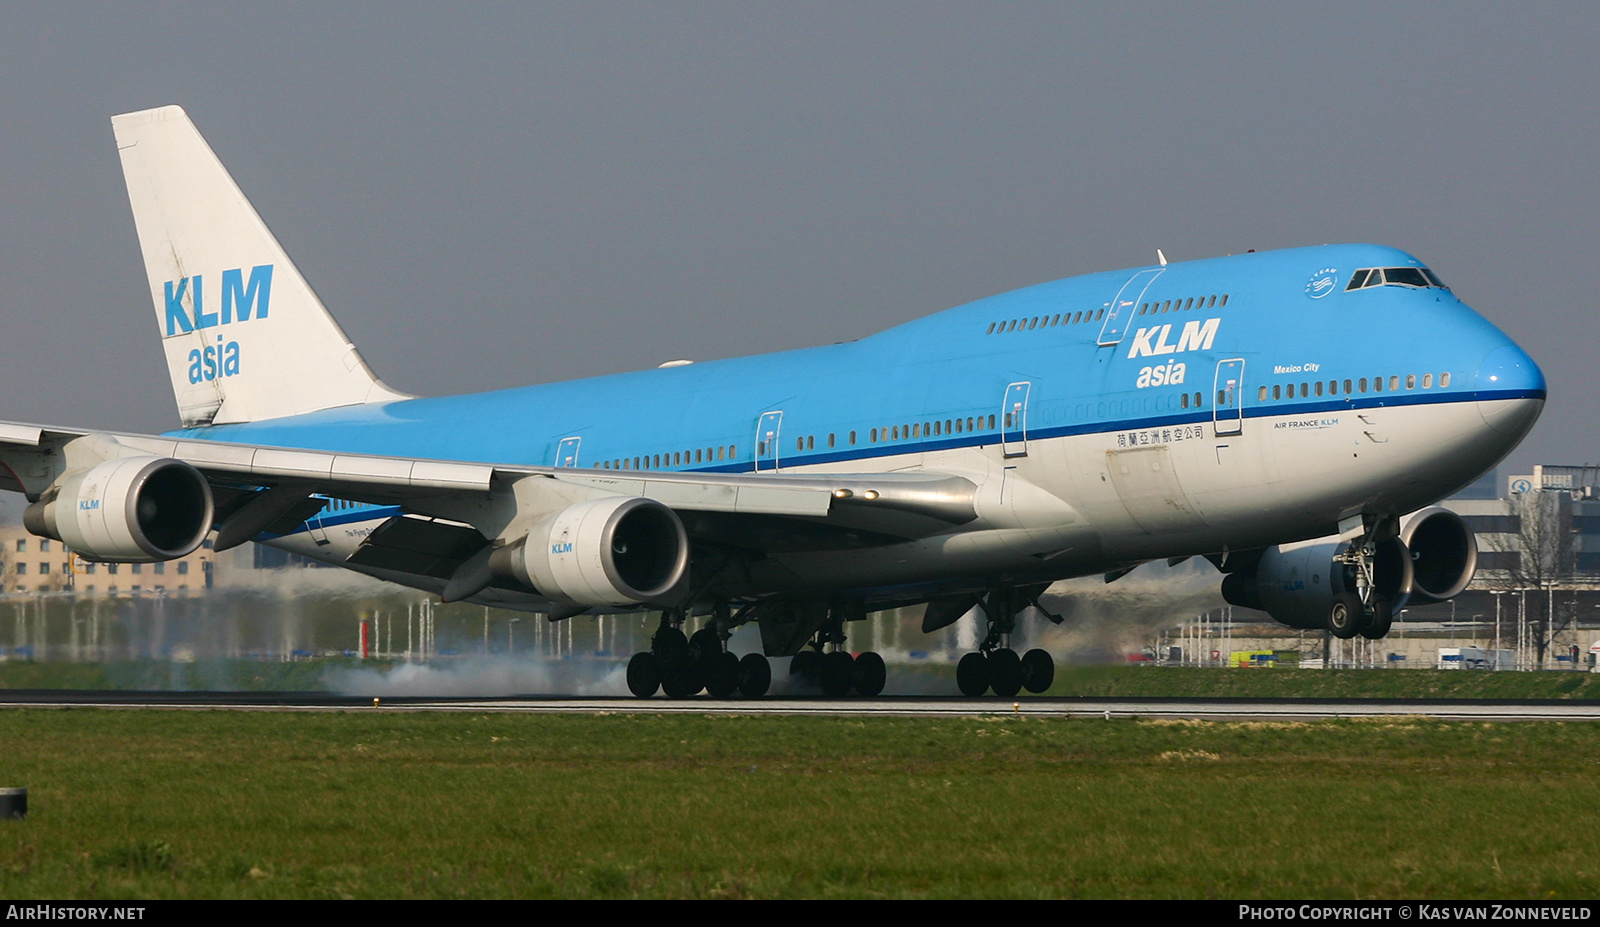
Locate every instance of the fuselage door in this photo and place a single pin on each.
(1014, 420)
(567, 452)
(1228, 413)
(767, 441)
(314, 525)
(1126, 306)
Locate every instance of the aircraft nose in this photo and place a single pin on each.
(1511, 390)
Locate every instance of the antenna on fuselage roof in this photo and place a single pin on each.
(1161, 257)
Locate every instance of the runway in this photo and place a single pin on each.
(904, 707)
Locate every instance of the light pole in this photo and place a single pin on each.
(1549, 613)
(1522, 625)
(511, 635)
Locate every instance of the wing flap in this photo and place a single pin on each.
(420, 546)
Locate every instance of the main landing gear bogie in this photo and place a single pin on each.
(1002, 671)
(839, 674)
(681, 666)
(825, 664)
(995, 666)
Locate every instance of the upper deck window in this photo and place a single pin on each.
(1420, 277)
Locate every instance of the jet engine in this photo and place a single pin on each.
(1432, 559)
(617, 550)
(127, 510)
(1444, 554)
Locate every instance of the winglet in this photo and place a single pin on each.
(245, 336)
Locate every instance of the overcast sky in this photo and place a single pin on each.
(489, 196)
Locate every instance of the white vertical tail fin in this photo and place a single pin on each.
(246, 338)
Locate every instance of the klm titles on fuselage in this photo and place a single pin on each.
(1152, 342)
(240, 301)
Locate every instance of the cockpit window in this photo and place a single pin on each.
(1395, 276)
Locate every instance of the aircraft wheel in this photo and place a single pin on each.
(644, 674)
(1005, 673)
(755, 675)
(723, 680)
(1038, 670)
(870, 674)
(670, 647)
(681, 684)
(704, 648)
(838, 671)
(1376, 625)
(972, 675)
(807, 665)
(1345, 615)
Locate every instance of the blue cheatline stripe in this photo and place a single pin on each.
(351, 516)
(1256, 410)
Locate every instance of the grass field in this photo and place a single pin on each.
(383, 804)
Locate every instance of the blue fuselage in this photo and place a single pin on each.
(958, 364)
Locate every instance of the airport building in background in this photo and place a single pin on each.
(32, 564)
(1535, 529)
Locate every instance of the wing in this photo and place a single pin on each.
(449, 516)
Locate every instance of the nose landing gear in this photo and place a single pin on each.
(1366, 611)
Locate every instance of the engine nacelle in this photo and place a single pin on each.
(1444, 554)
(128, 510)
(1296, 583)
(1432, 560)
(618, 550)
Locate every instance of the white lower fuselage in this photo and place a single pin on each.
(1086, 504)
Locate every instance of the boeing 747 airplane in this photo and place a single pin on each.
(1290, 416)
